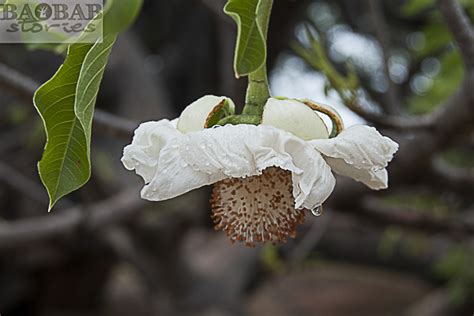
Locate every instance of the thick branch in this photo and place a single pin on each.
(107, 212)
(462, 29)
(454, 226)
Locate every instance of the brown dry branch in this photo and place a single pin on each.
(95, 217)
(455, 226)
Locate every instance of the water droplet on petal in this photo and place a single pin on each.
(317, 211)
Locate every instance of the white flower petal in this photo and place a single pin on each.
(195, 115)
(150, 137)
(359, 152)
(295, 117)
(184, 162)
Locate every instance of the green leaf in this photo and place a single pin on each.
(250, 51)
(66, 104)
(120, 14)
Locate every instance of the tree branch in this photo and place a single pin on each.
(383, 36)
(462, 29)
(399, 122)
(98, 215)
(453, 225)
(24, 87)
(309, 241)
(21, 183)
(216, 7)
(127, 249)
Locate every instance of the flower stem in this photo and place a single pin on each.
(258, 90)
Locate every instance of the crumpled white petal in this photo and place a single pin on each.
(359, 152)
(173, 163)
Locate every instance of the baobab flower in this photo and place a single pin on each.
(265, 176)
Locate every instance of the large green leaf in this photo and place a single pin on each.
(66, 105)
(250, 51)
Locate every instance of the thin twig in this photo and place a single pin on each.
(21, 183)
(383, 36)
(399, 122)
(24, 87)
(124, 246)
(464, 177)
(459, 24)
(310, 239)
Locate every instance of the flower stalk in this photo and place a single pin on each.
(258, 90)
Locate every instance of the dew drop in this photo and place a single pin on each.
(317, 211)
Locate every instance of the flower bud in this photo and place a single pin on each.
(195, 116)
(294, 117)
